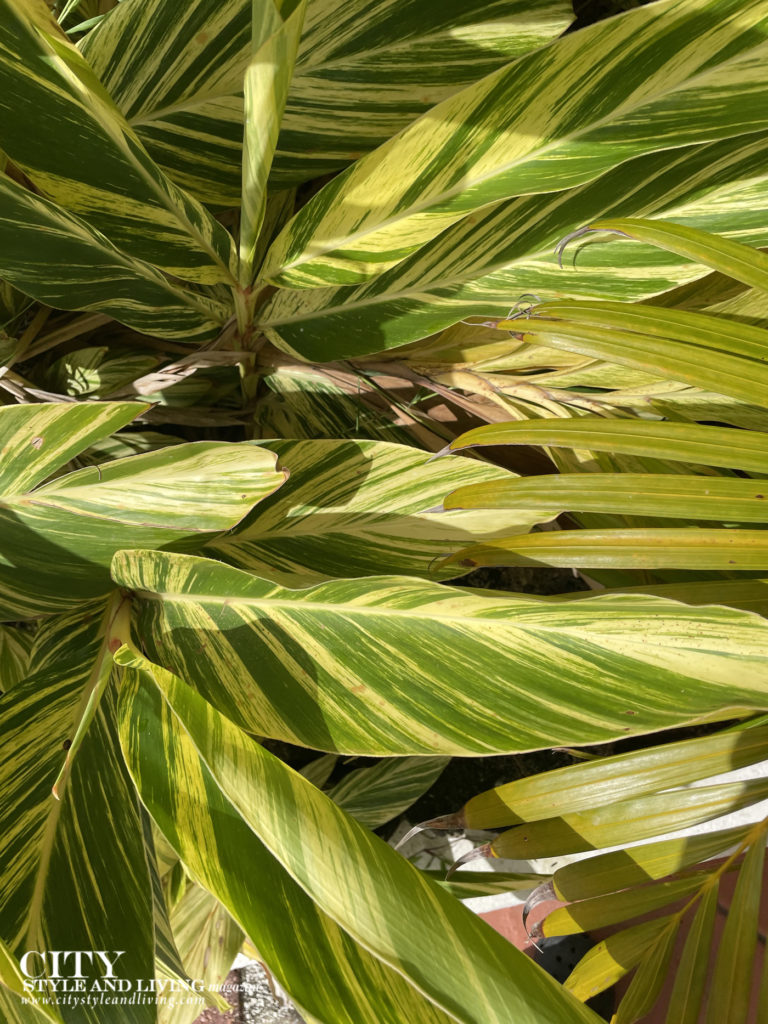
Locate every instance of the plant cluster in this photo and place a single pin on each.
(261, 262)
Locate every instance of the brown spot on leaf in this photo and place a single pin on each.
(37, 442)
(115, 644)
(67, 744)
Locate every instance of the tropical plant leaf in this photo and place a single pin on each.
(731, 983)
(544, 673)
(736, 261)
(647, 982)
(483, 263)
(687, 442)
(723, 550)
(375, 795)
(58, 538)
(625, 821)
(603, 911)
(365, 70)
(700, 350)
(365, 895)
(612, 958)
(267, 78)
(697, 81)
(360, 508)
(59, 259)
(313, 402)
(642, 494)
(208, 941)
(319, 771)
(637, 865)
(15, 646)
(691, 976)
(83, 140)
(41, 439)
(62, 885)
(595, 783)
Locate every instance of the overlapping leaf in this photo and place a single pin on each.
(73, 874)
(465, 672)
(351, 889)
(361, 508)
(375, 795)
(668, 75)
(58, 537)
(365, 70)
(60, 259)
(482, 264)
(84, 156)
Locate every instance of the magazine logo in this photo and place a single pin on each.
(68, 963)
(89, 977)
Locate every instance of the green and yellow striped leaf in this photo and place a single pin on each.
(642, 494)
(675, 73)
(614, 957)
(375, 795)
(731, 258)
(604, 911)
(706, 352)
(483, 263)
(686, 442)
(73, 873)
(208, 941)
(267, 78)
(731, 982)
(365, 69)
(313, 402)
(677, 547)
(84, 156)
(38, 440)
(644, 989)
(364, 936)
(58, 538)
(691, 975)
(15, 645)
(361, 508)
(465, 672)
(625, 821)
(58, 258)
(637, 865)
(596, 783)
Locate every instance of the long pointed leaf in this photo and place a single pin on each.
(480, 672)
(447, 960)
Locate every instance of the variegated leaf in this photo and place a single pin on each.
(73, 873)
(466, 672)
(674, 73)
(15, 645)
(365, 69)
(483, 264)
(378, 793)
(267, 78)
(361, 508)
(404, 949)
(84, 156)
(58, 537)
(58, 258)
